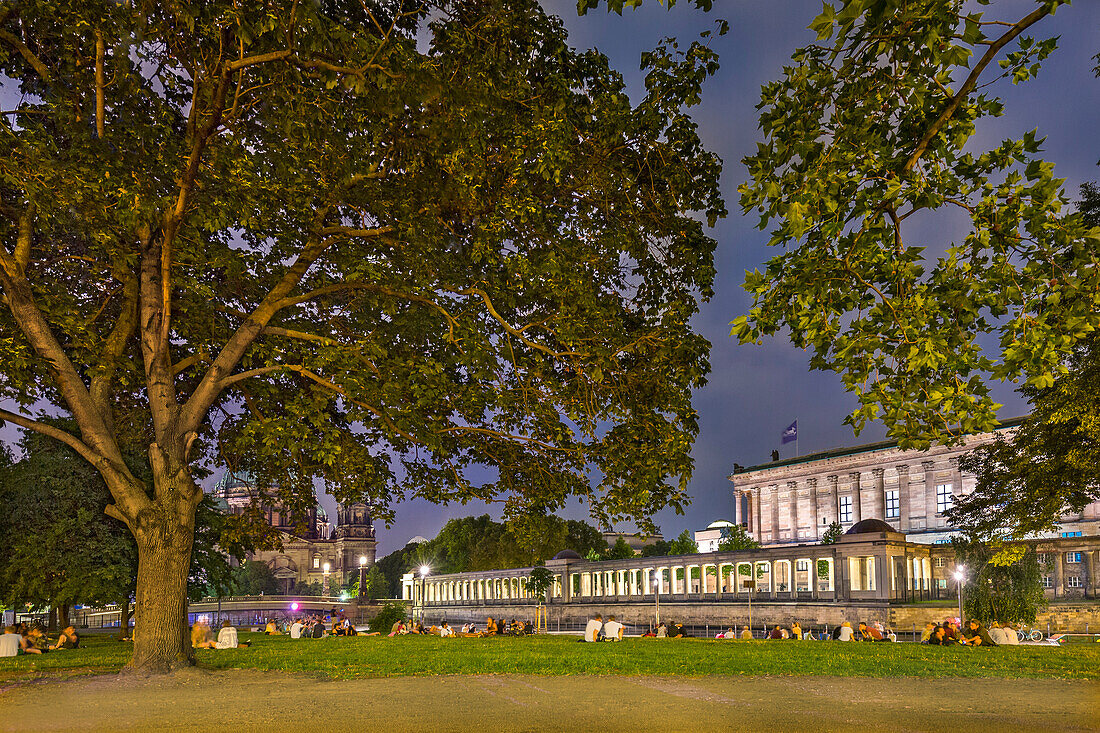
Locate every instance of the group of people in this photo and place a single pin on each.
(974, 633)
(599, 630)
(26, 638)
(203, 638)
(493, 627)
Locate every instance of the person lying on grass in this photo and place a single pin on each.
(68, 639)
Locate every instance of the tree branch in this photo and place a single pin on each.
(100, 51)
(28, 55)
(56, 433)
(971, 81)
(517, 332)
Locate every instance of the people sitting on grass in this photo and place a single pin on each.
(951, 628)
(593, 630)
(271, 629)
(927, 633)
(940, 637)
(675, 630)
(727, 634)
(613, 630)
(318, 630)
(775, 633)
(10, 642)
(227, 638)
(490, 626)
(296, 629)
(869, 633)
(68, 639)
(796, 631)
(398, 628)
(746, 633)
(844, 632)
(200, 634)
(977, 635)
(662, 631)
(445, 630)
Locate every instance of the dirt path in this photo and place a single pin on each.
(274, 702)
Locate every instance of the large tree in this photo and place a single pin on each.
(371, 243)
(870, 132)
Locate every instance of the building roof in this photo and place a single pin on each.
(720, 524)
(870, 526)
(568, 555)
(847, 451)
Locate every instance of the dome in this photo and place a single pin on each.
(567, 555)
(231, 480)
(720, 524)
(870, 526)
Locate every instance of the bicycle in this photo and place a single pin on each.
(1024, 634)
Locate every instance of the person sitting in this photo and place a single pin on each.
(939, 637)
(445, 630)
(27, 640)
(662, 631)
(676, 631)
(746, 633)
(227, 637)
(296, 629)
(927, 633)
(727, 634)
(490, 626)
(200, 635)
(613, 630)
(869, 633)
(271, 629)
(528, 627)
(318, 631)
(10, 642)
(977, 635)
(846, 633)
(398, 628)
(775, 633)
(593, 630)
(951, 628)
(67, 639)
(796, 631)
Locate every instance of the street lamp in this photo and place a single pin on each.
(362, 568)
(960, 574)
(324, 582)
(424, 570)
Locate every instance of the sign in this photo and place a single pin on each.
(748, 584)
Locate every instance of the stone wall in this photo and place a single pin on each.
(1062, 617)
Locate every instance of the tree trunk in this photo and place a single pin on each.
(162, 642)
(51, 619)
(63, 615)
(124, 618)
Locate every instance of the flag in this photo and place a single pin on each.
(790, 435)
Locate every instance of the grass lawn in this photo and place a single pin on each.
(379, 656)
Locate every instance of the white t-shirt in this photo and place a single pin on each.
(845, 633)
(612, 629)
(295, 630)
(592, 629)
(9, 645)
(227, 638)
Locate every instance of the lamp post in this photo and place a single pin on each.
(960, 574)
(424, 570)
(362, 569)
(324, 581)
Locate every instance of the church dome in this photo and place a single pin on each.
(870, 526)
(567, 555)
(231, 480)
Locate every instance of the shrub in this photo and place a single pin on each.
(387, 617)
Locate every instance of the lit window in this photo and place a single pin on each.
(892, 509)
(316, 563)
(845, 509)
(1071, 534)
(944, 498)
(1073, 557)
(1073, 581)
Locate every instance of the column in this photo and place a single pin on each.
(737, 507)
(813, 578)
(773, 496)
(1090, 574)
(792, 486)
(756, 512)
(903, 498)
(815, 523)
(878, 503)
(834, 491)
(1059, 573)
(929, 494)
(857, 515)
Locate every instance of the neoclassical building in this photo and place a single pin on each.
(311, 551)
(795, 500)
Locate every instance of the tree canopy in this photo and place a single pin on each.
(737, 539)
(378, 244)
(1003, 582)
(871, 129)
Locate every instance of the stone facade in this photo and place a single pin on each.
(795, 500)
(311, 553)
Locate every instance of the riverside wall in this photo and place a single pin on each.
(1070, 617)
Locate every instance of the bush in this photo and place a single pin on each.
(390, 614)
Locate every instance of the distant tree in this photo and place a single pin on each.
(683, 545)
(737, 539)
(594, 555)
(375, 584)
(541, 581)
(660, 548)
(621, 550)
(832, 534)
(252, 577)
(1003, 581)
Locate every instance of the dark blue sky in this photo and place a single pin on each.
(756, 391)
